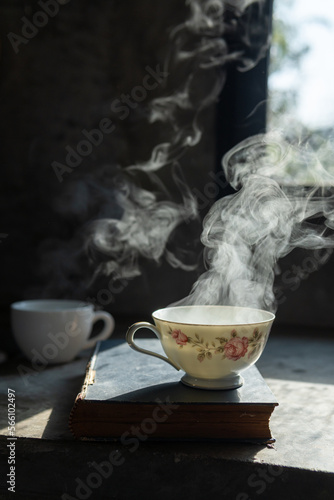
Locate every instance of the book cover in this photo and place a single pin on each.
(125, 392)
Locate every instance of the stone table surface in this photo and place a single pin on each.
(299, 369)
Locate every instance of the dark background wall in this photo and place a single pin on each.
(64, 79)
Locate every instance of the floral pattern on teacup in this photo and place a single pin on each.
(236, 348)
(180, 338)
(232, 348)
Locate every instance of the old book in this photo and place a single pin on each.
(127, 394)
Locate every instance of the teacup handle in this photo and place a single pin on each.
(109, 325)
(130, 340)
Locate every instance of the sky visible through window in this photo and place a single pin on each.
(306, 24)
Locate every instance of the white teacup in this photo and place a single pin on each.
(55, 331)
(212, 344)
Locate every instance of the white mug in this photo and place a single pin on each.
(55, 331)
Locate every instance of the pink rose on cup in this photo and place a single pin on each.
(180, 337)
(236, 348)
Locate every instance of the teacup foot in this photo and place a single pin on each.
(214, 384)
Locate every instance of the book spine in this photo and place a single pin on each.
(89, 380)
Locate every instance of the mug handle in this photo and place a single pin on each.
(109, 325)
(130, 340)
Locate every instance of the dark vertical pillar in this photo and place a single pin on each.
(241, 110)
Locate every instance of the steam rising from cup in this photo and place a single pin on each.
(245, 234)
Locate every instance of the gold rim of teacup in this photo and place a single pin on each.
(232, 324)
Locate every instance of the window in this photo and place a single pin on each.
(301, 109)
